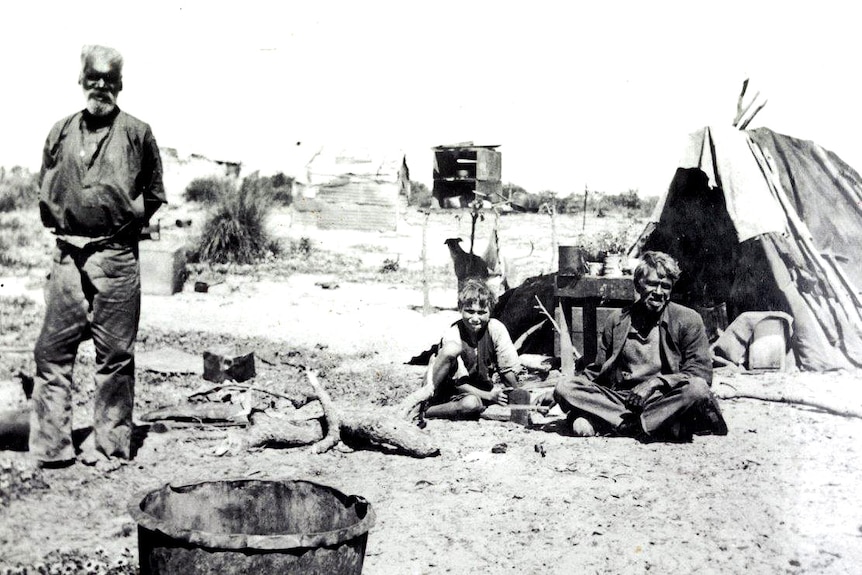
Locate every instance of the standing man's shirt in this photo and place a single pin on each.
(96, 180)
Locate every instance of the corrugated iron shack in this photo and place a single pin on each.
(354, 189)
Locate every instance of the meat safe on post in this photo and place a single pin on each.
(465, 171)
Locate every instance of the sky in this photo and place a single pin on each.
(599, 95)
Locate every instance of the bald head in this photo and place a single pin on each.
(101, 78)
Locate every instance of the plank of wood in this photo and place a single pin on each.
(567, 349)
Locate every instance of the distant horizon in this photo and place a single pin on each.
(597, 96)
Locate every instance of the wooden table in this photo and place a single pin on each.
(590, 293)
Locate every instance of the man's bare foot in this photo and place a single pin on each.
(93, 457)
(581, 427)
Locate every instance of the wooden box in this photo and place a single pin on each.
(467, 171)
(163, 267)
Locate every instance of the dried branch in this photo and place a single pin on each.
(547, 314)
(330, 414)
(793, 401)
(519, 343)
(377, 428)
(244, 387)
(410, 407)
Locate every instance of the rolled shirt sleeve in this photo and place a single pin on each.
(507, 355)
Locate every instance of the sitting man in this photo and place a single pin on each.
(652, 375)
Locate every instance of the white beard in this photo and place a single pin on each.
(99, 108)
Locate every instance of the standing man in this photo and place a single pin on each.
(101, 181)
(652, 375)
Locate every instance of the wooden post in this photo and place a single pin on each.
(474, 215)
(591, 344)
(554, 247)
(564, 336)
(426, 295)
(586, 193)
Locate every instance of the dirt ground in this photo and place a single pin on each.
(778, 494)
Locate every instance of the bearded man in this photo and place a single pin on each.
(100, 183)
(652, 375)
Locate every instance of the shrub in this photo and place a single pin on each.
(302, 247)
(647, 206)
(525, 201)
(571, 204)
(24, 243)
(629, 200)
(279, 180)
(18, 189)
(390, 266)
(420, 196)
(235, 232)
(282, 195)
(629, 203)
(208, 190)
(280, 188)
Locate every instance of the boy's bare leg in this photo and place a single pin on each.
(412, 406)
(440, 368)
(466, 407)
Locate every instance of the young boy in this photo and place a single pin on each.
(471, 350)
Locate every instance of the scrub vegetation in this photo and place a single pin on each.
(18, 189)
(235, 231)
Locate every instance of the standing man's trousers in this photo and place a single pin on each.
(92, 292)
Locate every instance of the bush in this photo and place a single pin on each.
(282, 188)
(390, 266)
(629, 203)
(24, 243)
(279, 180)
(235, 232)
(18, 189)
(420, 196)
(303, 247)
(208, 190)
(647, 206)
(571, 204)
(282, 195)
(278, 188)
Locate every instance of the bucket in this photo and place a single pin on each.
(571, 261)
(251, 526)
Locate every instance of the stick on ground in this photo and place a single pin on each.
(793, 401)
(330, 414)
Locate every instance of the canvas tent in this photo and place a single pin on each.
(764, 222)
(356, 189)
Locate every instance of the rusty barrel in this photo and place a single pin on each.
(572, 261)
(251, 526)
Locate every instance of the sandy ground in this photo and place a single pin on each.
(778, 494)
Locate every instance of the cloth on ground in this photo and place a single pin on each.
(732, 345)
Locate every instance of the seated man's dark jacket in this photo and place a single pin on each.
(682, 339)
